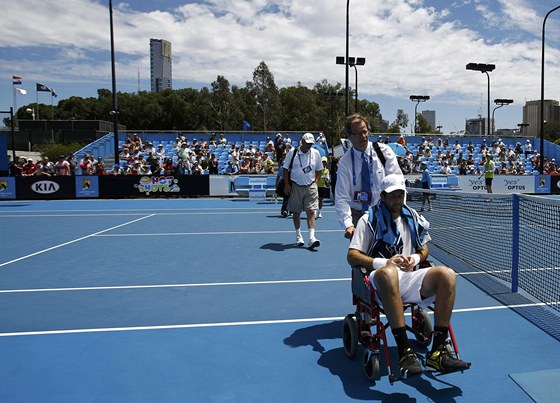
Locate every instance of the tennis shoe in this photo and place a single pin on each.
(441, 360)
(299, 241)
(313, 243)
(410, 366)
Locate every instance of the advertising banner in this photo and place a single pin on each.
(7, 188)
(46, 187)
(142, 186)
(87, 186)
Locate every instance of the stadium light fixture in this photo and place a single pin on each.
(352, 62)
(484, 68)
(500, 103)
(522, 127)
(418, 99)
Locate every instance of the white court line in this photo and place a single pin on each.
(215, 233)
(188, 285)
(73, 241)
(95, 213)
(226, 324)
(128, 287)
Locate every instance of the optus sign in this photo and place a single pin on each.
(162, 184)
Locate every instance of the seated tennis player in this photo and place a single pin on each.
(389, 243)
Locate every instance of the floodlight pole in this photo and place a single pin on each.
(346, 94)
(500, 103)
(484, 68)
(541, 165)
(114, 111)
(418, 99)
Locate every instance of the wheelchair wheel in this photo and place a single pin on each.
(422, 323)
(350, 336)
(371, 364)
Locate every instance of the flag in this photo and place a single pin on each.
(21, 91)
(246, 126)
(16, 80)
(53, 93)
(41, 87)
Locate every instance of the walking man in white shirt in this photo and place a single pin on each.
(360, 172)
(301, 185)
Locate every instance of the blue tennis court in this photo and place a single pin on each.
(209, 300)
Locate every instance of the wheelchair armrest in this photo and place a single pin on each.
(360, 283)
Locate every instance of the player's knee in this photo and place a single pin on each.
(386, 275)
(446, 275)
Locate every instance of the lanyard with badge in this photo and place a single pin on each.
(307, 169)
(363, 196)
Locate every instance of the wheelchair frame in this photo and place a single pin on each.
(365, 327)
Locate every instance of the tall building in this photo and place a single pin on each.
(477, 126)
(430, 117)
(532, 115)
(160, 64)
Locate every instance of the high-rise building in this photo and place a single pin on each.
(160, 64)
(532, 115)
(430, 117)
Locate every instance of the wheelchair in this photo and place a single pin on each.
(365, 327)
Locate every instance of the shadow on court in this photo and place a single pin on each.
(350, 372)
(281, 247)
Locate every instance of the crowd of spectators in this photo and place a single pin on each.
(193, 157)
(25, 166)
(442, 157)
(196, 157)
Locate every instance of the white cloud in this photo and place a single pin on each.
(409, 48)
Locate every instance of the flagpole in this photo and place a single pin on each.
(15, 106)
(37, 97)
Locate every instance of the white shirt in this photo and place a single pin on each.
(311, 159)
(345, 187)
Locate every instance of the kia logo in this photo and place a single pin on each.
(45, 187)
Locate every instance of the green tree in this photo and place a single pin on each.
(401, 121)
(267, 96)
(423, 126)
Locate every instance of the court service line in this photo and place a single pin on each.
(214, 233)
(129, 287)
(184, 285)
(226, 324)
(73, 241)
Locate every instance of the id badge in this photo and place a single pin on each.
(307, 169)
(362, 197)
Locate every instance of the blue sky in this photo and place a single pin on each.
(411, 47)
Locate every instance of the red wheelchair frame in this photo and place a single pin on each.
(365, 327)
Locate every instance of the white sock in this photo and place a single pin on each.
(298, 232)
(311, 233)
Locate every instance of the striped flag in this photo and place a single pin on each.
(16, 80)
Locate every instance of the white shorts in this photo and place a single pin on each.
(409, 285)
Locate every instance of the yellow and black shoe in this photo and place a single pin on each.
(441, 360)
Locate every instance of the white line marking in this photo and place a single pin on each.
(226, 324)
(216, 233)
(73, 241)
(128, 287)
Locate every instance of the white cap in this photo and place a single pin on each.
(308, 138)
(393, 182)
